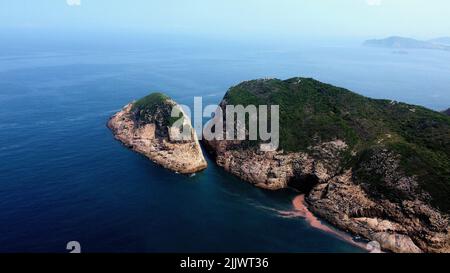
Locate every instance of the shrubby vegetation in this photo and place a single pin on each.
(312, 112)
(156, 107)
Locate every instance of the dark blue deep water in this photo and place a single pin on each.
(63, 177)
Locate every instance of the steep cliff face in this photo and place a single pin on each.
(145, 127)
(376, 168)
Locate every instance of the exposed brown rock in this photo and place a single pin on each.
(410, 226)
(374, 168)
(184, 157)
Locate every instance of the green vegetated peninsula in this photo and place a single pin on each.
(376, 168)
(145, 126)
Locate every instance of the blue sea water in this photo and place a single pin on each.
(64, 178)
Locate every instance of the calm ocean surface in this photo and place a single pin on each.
(63, 177)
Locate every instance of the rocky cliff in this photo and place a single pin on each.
(375, 168)
(146, 127)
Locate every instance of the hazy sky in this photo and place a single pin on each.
(229, 18)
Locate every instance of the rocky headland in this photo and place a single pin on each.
(379, 169)
(145, 127)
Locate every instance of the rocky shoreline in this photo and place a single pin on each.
(375, 184)
(181, 157)
(337, 198)
(357, 175)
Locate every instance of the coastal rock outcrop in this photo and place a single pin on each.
(378, 169)
(145, 126)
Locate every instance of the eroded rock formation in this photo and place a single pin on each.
(145, 128)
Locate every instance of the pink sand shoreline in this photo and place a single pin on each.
(301, 210)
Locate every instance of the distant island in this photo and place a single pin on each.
(396, 42)
(145, 126)
(376, 168)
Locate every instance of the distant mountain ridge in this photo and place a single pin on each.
(397, 42)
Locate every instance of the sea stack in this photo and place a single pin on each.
(378, 169)
(147, 127)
